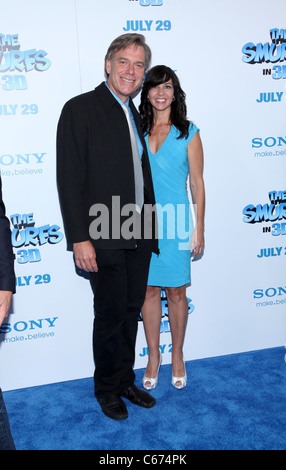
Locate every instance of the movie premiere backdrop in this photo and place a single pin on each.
(231, 59)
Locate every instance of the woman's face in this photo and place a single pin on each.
(161, 96)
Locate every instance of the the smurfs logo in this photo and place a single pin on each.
(14, 60)
(25, 234)
(273, 212)
(268, 53)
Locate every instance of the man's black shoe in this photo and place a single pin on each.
(113, 407)
(139, 397)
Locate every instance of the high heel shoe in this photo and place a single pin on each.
(182, 380)
(153, 382)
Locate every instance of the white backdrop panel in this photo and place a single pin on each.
(238, 292)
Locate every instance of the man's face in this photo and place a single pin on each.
(126, 71)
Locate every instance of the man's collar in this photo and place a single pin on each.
(116, 97)
(109, 99)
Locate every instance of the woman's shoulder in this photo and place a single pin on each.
(193, 129)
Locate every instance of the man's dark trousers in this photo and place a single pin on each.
(119, 291)
(6, 440)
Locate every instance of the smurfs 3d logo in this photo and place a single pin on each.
(153, 3)
(25, 234)
(273, 212)
(12, 59)
(268, 53)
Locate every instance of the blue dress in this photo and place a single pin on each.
(170, 169)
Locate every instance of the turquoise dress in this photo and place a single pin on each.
(170, 169)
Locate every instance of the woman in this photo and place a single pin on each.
(175, 152)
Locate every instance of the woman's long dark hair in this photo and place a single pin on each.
(156, 76)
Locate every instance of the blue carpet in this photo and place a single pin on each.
(234, 402)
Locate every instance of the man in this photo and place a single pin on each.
(7, 288)
(98, 172)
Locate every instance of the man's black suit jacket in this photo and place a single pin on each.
(7, 275)
(94, 164)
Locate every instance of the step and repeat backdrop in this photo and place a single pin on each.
(231, 59)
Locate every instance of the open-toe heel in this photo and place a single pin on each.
(150, 383)
(180, 382)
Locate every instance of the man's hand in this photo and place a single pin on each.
(85, 257)
(5, 302)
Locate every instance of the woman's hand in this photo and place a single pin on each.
(197, 242)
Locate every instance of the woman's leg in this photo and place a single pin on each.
(152, 313)
(178, 316)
